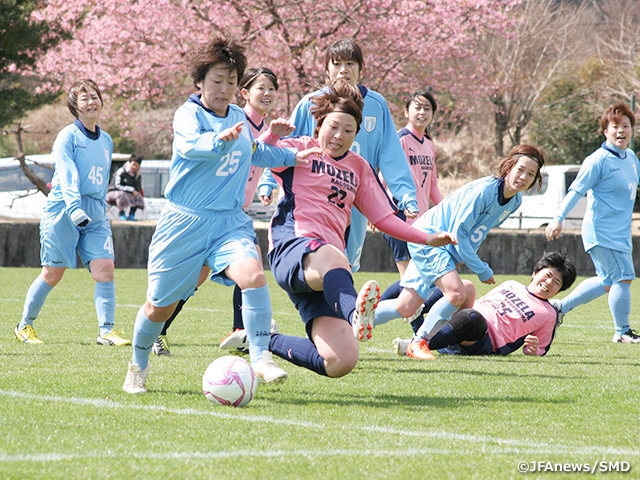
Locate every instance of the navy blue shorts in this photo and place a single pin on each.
(481, 347)
(398, 247)
(286, 265)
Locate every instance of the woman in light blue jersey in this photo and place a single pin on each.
(74, 221)
(377, 141)
(469, 213)
(609, 178)
(203, 222)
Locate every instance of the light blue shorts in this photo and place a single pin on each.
(612, 266)
(185, 240)
(426, 266)
(61, 241)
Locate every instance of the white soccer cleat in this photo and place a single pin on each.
(401, 345)
(136, 379)
(366, 304)
(629, 336)
(267, 370)
(556, 304)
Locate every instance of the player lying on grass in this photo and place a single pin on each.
(308, 232)
(508, 317)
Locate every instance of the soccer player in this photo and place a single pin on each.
(74, 220)
(609, 178)
(469, 213)
(376, 141)
(508, 317)
(203, 222)
(258, 87)
(421, 157)
(307, 237)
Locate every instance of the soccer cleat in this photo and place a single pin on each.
(236, 339)
(27, 334)
(556, 304)
(112, 338)
(136, 379)
(274, 327)
(420, 350)
(267, 371)
(366, 304)
(161, 346)
(630, 336)
(414, 316)
(401, 346)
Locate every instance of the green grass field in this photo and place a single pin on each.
(64, 414)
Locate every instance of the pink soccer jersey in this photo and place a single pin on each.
(316, 199)
(512, 313)
(421, 156)
(258, 126)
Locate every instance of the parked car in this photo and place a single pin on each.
(538, 209)
(19, 198)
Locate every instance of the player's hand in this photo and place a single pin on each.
(281, 127)
(302, 155)
(373, 228)
(409, 214)
(231, 133)
(553, 230)
(266, 199)
(531, 344)
(489, 281)
(441, 238)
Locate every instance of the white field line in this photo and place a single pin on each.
(485, 444)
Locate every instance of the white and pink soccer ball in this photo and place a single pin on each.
(230, 381)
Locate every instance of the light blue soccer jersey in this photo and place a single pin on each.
(609, 178)
(469, 212)
(82, 166)
(377, 142)
(208, 173)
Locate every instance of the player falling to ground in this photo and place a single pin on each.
(507, 318)
(469, 213)
(609, 178)
(421, 156)
(258, 87)
(377, 141)
(74, 220)
(307, 237)
(203, 222)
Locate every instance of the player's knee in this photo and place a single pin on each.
(456, 297)
(469, 325)
(341, 364)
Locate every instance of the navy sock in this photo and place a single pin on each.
(340, 293)
(237, 308)
(175, 313)
(444, 338)
(392, 292)
(299, 351)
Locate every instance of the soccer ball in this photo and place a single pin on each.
(230, 381)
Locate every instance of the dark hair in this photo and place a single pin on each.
(344, 49)
(534, 153)
(219, 50)
(252, 74)
(560, 261)
(338, 97)
(136, 158)
(84, 85)
(616, 112)
(422, 93)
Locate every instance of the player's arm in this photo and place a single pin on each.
(69, 177)
(193, 145)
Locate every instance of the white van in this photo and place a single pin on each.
(538, 209)
(19, 198)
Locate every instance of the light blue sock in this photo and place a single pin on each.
(145, 333)
(256, 316)
(587, 290)
(439, 315)
(385, 312)
(104, 297)
(620, 306)
(36, 295)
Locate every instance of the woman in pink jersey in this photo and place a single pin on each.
(308, 234)
(510, 316)
(421, 157)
